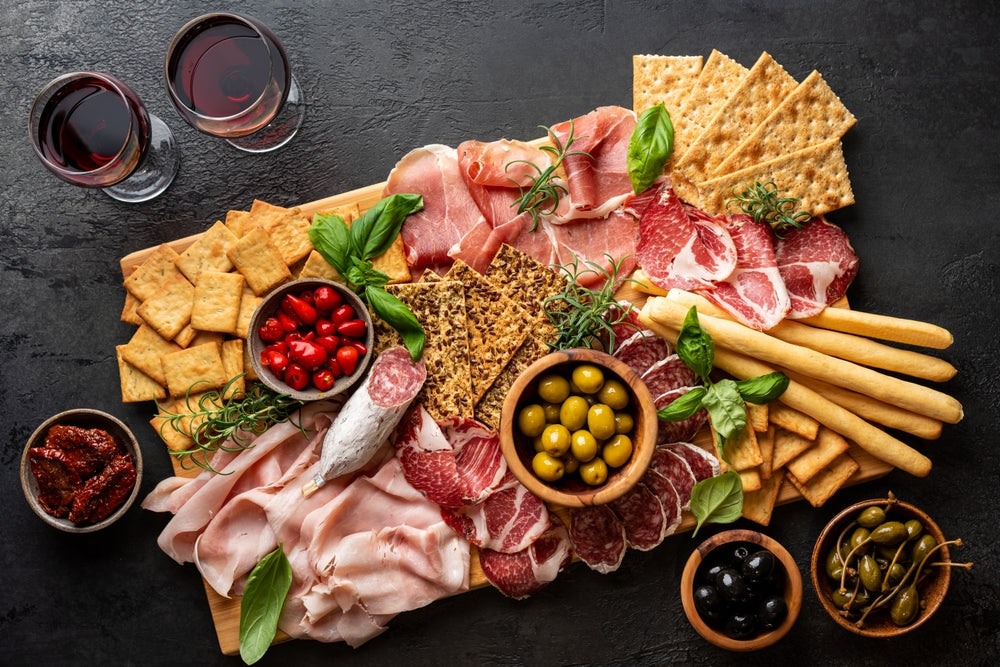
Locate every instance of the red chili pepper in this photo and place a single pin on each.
(278, 346)
(295, 335)
(275, 360)
(298, 309)
(326, 299)
(271, 330)
(307, 296)
(352, 328)
(328, 343)
(325, 327)
(287, 323)
(357, 345)
(334, 367)
(296, 377)
(347, 358)
(342, 314)
(307, 353)
(323, 379)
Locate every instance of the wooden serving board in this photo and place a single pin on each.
(226, 611)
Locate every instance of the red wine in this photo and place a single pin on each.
(89, 125)
(227, 77)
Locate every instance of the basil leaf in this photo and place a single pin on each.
(331, 238)
(395, 313)
(264, 596)
(763, 388)
(374, 232)
(726, 409)
(649, 148)
(717, 499)
(695, 346)
(683, 406)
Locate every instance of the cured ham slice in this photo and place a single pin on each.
(817, 264)
(519, 575)
(598, 537)
(667, 374)
(598, 241)
(496, 171)
(754, 292)
(677, 470)
(681, 247)
(449, 210)
(702, 463)
(602, 172)
(681, 431)
(643, 516)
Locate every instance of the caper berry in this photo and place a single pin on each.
(834, 565)
(922, 548)
(859, 535)
(890, 532)
(871, 517)
(913, 529)
(871, 575)
(905, 606)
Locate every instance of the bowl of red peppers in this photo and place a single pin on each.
(311, 339)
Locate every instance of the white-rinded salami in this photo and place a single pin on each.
(370, 415)
(664, 490)
(703, 464)
(641, 350)
(681, 431)
(667, 374)
(677, 470)
(598, 537)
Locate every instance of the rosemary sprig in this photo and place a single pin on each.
(543, 188)
(223, 419)
(584, 317)
(762, 202)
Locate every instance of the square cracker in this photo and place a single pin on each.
(718, 78)
(236, 222)
(136, 386)
(316, 266)
(826, 482)
(810, 115)
(259, 261)
(758, 506)
(231, 352)
(762, 90)
(150, 276)
(496, 326)
(287, 229)
(440, 309)
(131, 304)
(248, 304)
(169, 310)
(829, 445)
(208, 253)
(216, 305)
(198, 368)
(392, 262)
(145, 350)
(665, 79)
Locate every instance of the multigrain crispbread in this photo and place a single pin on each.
(528, 283)
(490, 405)
(662, 79)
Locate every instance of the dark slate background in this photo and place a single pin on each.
(921, 77)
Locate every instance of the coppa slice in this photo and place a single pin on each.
(526, 572)
(817, 264)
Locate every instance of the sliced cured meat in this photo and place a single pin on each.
(667, 374)
(643, 516)
(681, 247)
(677, 470)
(598, 241)
(754, 292)
(478, 457)
(681, 431)
(817, 264)
(449, 210)
(427, 458)
(642, 350)
(668, 496)
(599, 170)
(598, 537)
(526, 572)
(503, 163)
(508, 520)
(702, 463)
(628, 326)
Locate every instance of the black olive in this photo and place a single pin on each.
(772, 612)
(730, 585)
(740, 554)
(758, 566)
(708, 574)
(741, 625)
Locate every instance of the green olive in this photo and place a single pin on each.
(617, 451)
(623, 422)
(573, 413)
(905, 606)
(922, 548)
(589, 378)
(570, 463)
(583, 445)
(594, 472)
(871, 517)
(537, 443)
(890, 532)
(551, 412)
(601, 421)
(547, 468)
(871, 575)
(913, 529)
(555, 440)
(553, 388)
(614, 393)
(531, 420)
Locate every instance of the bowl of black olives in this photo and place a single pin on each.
(741, 590)
(882, 567)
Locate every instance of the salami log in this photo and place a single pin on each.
(370, 415)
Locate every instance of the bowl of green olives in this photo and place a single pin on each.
(578, 427)
(741, 590)
(881, 567)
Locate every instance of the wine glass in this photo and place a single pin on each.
(90, 129)
(228, 76)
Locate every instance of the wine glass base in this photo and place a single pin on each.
(155, 172)
(279, 131)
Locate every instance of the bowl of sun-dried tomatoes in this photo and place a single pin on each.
(80, 470)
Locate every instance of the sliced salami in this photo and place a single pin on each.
(677, 470)
(668, 496)
(518, 575)
(667, 374)
(681, 431)
(702, 463)
(643, 516)
(641, 350)
(623, 330)
(598, 537)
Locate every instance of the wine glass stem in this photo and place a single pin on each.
(155, 171)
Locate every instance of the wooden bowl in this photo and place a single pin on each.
(518, 449)
(269, 306)
(83, 418)
(792, 590)
(932, 589)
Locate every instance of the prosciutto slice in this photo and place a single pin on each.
(599, 170)
(681, 247)
(754, 292)
(521, 574)
(817, 264)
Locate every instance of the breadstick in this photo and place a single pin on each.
(883, 327)
(838, 344)
(759, 345)
(874, 440)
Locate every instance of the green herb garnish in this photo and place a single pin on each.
(542, 198)
(583, 317)
(650, 147)
(264, 596)
(717, 499)
(221, 420)
(762, 202)
(351, 250)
